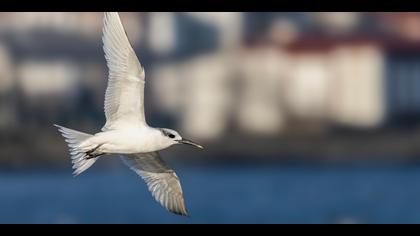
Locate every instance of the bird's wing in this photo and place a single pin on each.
(161, 180)
(124, 99)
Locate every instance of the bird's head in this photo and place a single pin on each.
(171, 137)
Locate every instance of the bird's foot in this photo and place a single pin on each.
(92, 153)
(91, 157)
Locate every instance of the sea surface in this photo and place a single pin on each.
(276, 194)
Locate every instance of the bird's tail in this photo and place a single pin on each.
(79, 157)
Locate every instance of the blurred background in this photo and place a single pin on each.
(306, 117)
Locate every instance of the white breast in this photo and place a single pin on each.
(129, 141)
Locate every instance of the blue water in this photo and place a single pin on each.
(217, 195)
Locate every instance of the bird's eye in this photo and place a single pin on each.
(171, 136)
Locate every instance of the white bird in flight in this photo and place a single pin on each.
(126, 132)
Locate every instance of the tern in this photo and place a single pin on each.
(126, 132)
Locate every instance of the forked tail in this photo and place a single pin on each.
(79, 158)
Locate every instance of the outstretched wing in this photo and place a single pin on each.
(161, 180)
(124, 98)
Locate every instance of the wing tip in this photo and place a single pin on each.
(181, 210)
(110, 14)
(181, 213)
(110, 17)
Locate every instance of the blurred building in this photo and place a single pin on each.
(217, 76)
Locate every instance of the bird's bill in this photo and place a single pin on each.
(189, 142)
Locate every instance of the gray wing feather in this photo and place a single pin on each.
(161, 180)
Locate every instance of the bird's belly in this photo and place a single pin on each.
(112, 148)
(127, 144)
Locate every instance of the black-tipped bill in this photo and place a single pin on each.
(189, 142)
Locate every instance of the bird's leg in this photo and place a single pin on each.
(91, 154)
